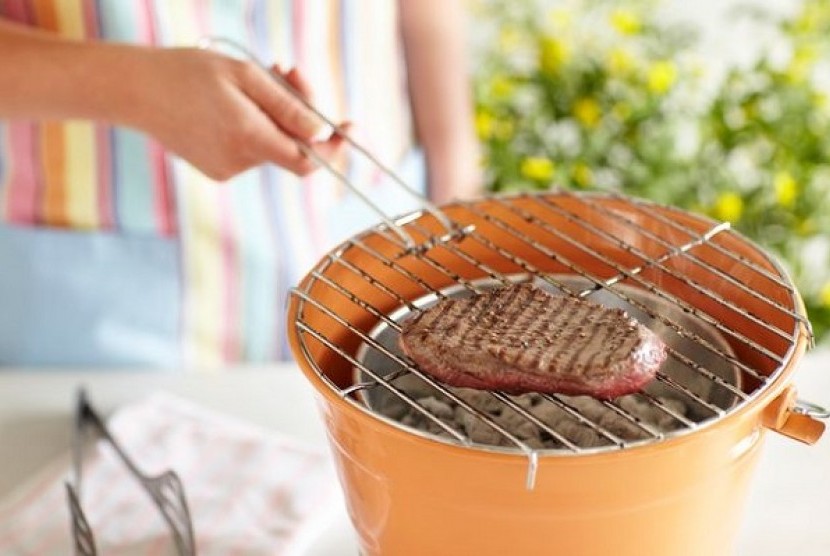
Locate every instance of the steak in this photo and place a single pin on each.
(522, 339)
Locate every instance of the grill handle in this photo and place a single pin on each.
(795, 418)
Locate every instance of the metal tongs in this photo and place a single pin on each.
(165, 490)
(452, 231)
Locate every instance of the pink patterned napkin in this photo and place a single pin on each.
(250, 491)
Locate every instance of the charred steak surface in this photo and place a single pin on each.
(523, 339)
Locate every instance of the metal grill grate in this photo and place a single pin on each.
(669, 267)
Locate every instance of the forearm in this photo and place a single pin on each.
(43, 76)
(435, 49)
(221, 114)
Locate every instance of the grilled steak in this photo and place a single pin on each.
(523, 339)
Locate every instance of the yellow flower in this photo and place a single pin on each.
(553, 54)
(798, 71)
(537, 168)
(806, 53)
(509, 38)
(824, 294)
(750, 109)
(661, 76)
(619, 61)
(785, 189)
(560, 18)
(729, 207)
(806, 227)
(484, 123)
(802, 63)
(697, 69)
(502, 86)
(582, 175)
(489, 126)
(621, 111)
(812, 15)
(503, 129)
(626, 22)
(587, 111)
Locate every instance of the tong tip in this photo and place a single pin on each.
(455, 234)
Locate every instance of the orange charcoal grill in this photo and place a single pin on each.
(430, 469)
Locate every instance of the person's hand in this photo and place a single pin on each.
(224, 115)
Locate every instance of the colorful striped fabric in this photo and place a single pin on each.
(242, 243)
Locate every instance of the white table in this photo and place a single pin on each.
(788, 509)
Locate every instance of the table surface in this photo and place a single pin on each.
(787, 510)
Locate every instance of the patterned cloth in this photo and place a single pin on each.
(219, 259)
(249, 491)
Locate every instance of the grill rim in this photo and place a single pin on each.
(802, 337)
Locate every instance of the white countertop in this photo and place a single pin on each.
(788, 510)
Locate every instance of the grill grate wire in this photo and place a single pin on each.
(525, 208)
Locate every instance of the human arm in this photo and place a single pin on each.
(434, 46)
(222, 115)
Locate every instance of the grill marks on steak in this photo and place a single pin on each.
(523, 339)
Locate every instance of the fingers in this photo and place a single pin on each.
(294, 121)
(296, 80)
(332, 149)
(282, 150)
(281, 106)
(334, 146)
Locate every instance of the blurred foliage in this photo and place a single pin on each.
(604, 95)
